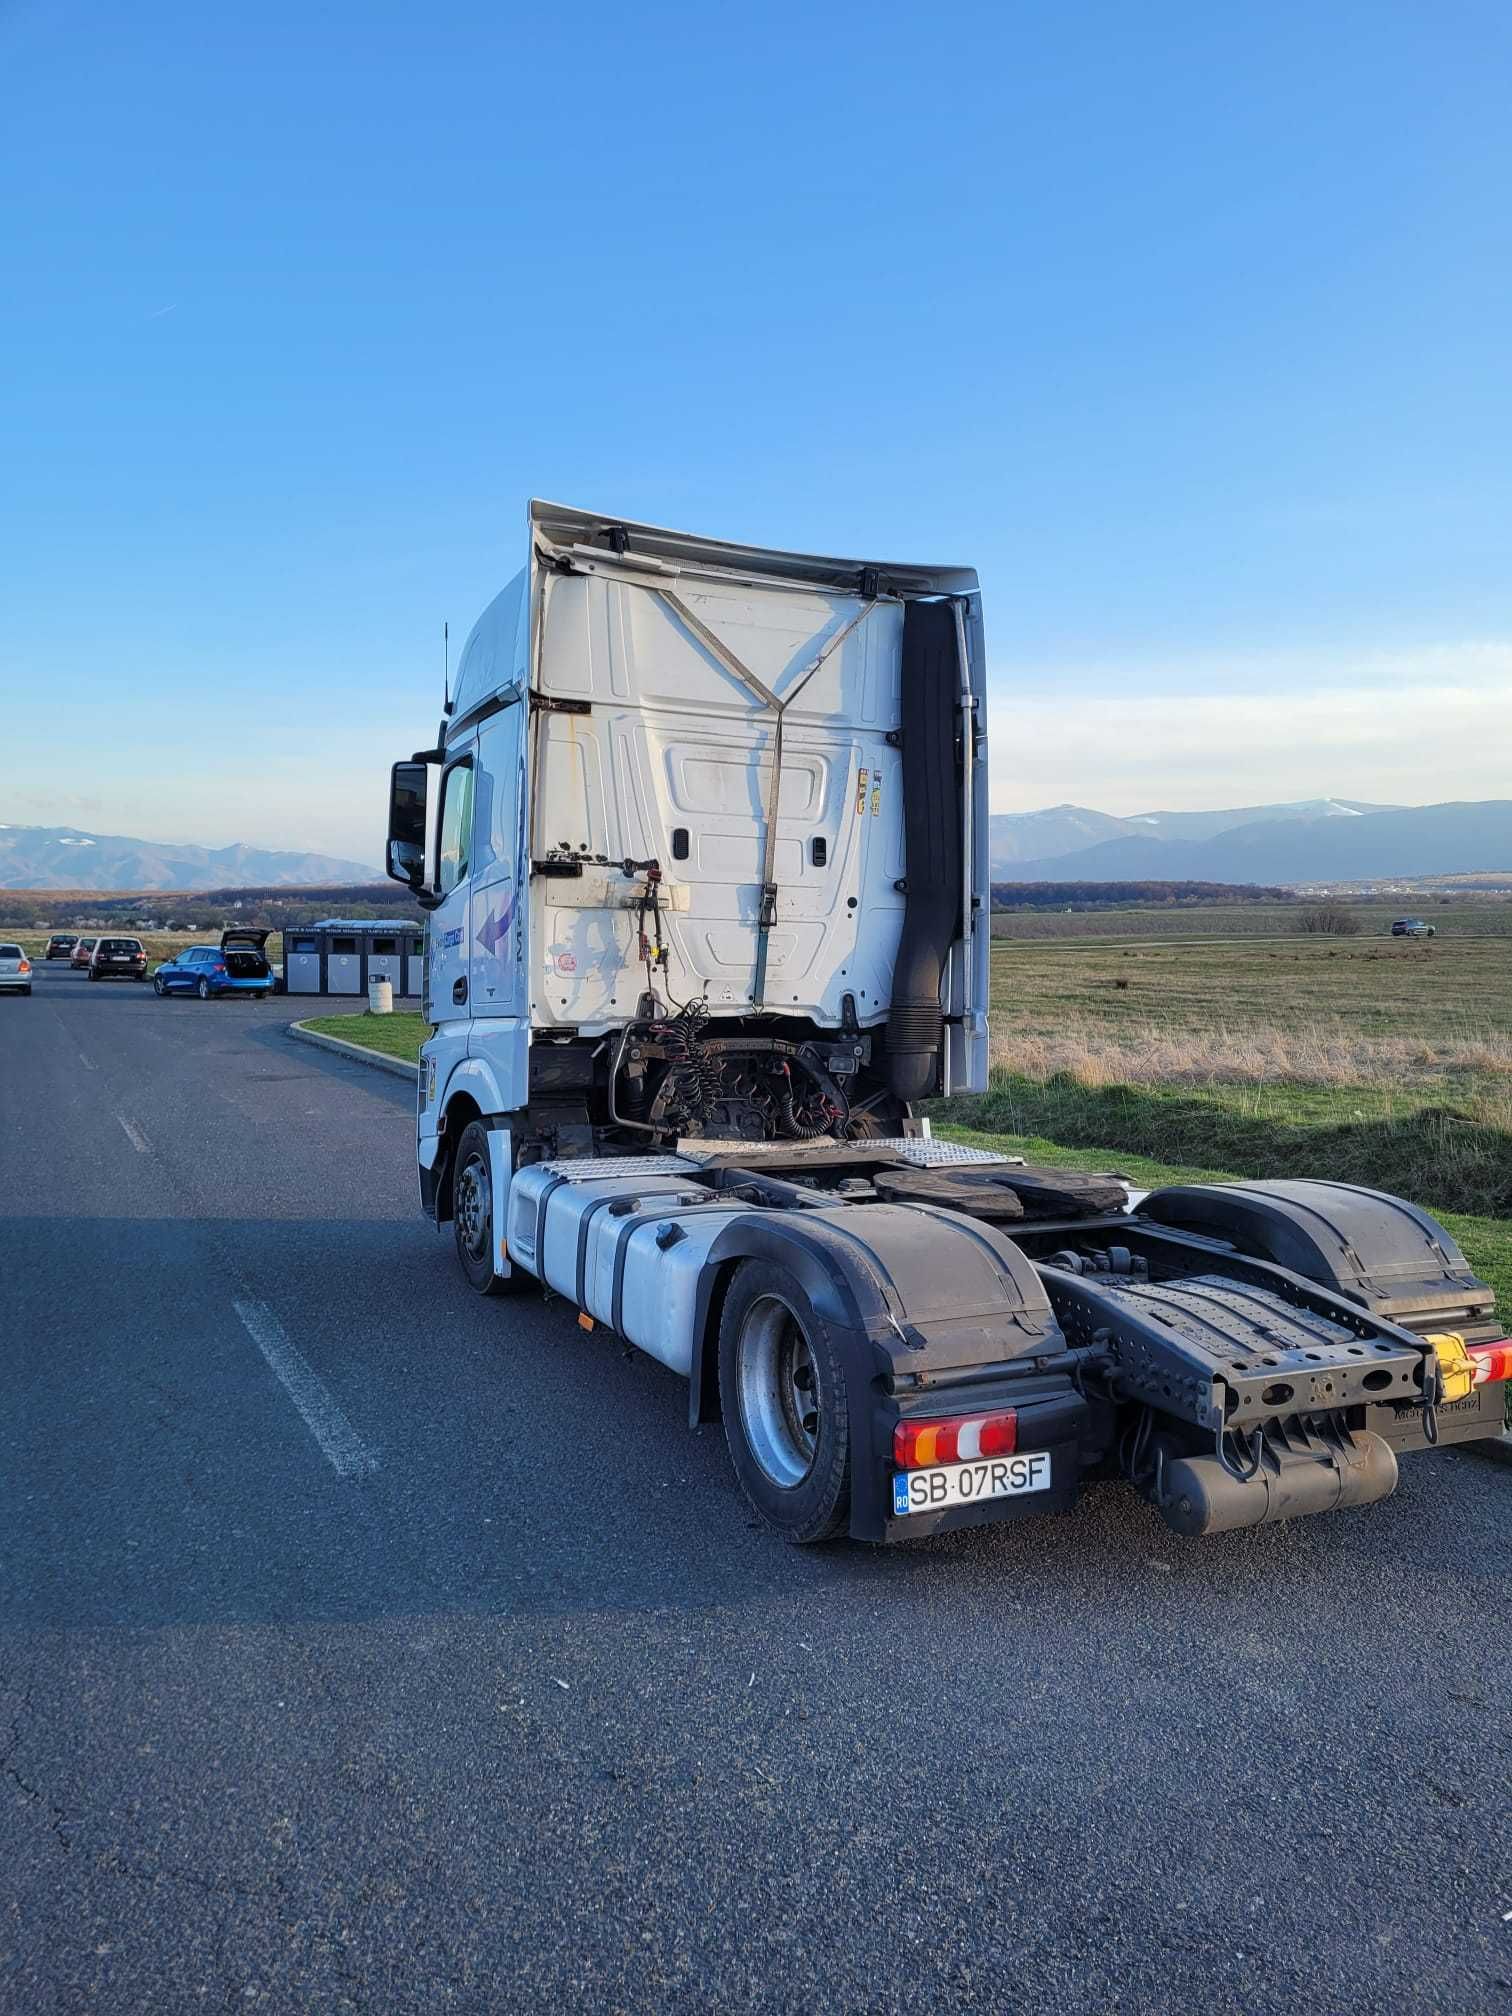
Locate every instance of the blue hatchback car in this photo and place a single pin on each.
(238, 965)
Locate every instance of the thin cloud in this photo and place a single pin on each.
(1445, 733)
(158, 313)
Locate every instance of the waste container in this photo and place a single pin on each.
(380, 995)
(301, 962)
(414, 962)
(344, 963)
(385, 960)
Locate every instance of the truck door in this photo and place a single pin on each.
(451, 920)
(500, 873)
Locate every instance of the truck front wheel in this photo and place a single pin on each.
(782, 1392)
(472, 1217)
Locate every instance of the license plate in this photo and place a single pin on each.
(964, 1483)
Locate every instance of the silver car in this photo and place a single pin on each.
(15, 968)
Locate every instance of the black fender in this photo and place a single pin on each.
(910, 1292)
(1379, 1251)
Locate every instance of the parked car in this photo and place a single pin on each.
(83, 951)
(1412, 927)
(237, 966)
(15, 968)
(119, 959)
(61, 944)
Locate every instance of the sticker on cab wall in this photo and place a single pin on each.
(860, 792)
(494, 929)
(565, 963)
(876, 792)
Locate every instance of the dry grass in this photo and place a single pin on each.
(1155, 1053)
(1381, 1062)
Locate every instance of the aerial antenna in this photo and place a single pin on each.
(446, 668)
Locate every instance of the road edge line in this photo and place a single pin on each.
(357, 1051)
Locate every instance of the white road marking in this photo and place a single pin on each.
(86, 1063)
(340, 1444)
(135, 1136)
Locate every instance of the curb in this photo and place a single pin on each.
(1495, 1449)
(356, 1051)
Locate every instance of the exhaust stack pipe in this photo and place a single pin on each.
(932, 835)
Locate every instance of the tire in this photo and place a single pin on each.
(92, 974)
(203, 990)
(159, 986)
(782, 1391)
(26, 990)
(472, 1217)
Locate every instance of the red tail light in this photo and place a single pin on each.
(26, 966)
(1492, 1361)
(963, 1438)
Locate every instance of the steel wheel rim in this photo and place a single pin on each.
(471, 1207)
(779, 1392)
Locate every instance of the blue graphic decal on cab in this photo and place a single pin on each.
(494, 929)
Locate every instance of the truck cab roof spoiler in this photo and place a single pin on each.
(585, 541)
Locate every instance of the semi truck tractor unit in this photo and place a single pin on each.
(702, 837)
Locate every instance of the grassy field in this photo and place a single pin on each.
(1487, 917)
(1369, 1060)
(396, 1035)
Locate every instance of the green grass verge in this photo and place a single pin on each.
(396, 1035)
(1435, 1154)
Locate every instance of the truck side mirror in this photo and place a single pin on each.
(407, 858)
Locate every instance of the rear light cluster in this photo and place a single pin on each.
(963, 1438)
(1492, 1361)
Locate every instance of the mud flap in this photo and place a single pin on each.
(925, 1305)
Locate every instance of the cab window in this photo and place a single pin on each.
(456, 826)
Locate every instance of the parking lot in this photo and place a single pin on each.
(366, 1645)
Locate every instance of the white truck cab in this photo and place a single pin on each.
(664, 839)
(703, 842)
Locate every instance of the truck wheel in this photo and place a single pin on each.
(472, 1217)
(782, 1393)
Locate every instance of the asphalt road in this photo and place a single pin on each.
(365, 1645)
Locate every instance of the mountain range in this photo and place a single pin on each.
(66, 857)
(1316, 840)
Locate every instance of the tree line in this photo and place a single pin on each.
(1130, 895)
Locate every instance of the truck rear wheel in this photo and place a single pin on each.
(472, 1217)
(783, 1395)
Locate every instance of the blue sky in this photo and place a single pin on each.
(1189, 325)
